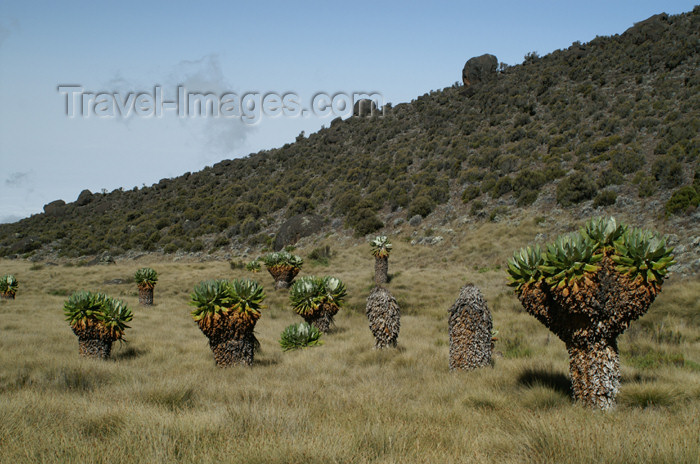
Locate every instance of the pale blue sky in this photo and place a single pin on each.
(397, 50)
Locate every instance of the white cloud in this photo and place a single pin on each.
(17, 179)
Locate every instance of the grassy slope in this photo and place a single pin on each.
(162, 399)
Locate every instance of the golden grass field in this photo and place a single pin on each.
(161, 398)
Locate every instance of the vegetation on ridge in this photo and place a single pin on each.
(618, 112)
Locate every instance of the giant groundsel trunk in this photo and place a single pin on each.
(384, 317)
(470, 330)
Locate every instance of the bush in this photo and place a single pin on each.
(575, 189)
(605, 198)
(668, 171)
(363, 219)
(221, 241)
(321, 255)
(610, 177)
(501, 187)
(470, 192)
(528, 180)
(249, 227)
(628, 161)
(299, 205)
(684, 199)
(646, 187)
(527, 197)
(162, 223)
(477, 207)
(422, 205)
(197, 245)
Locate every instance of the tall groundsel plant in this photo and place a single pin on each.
(587, 287)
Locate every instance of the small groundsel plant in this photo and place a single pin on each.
(318, 299)
(146, 278)
(587, 287)
(253, 266)
(97, 320)
(8, 287)
(301, 335)
(283, 266)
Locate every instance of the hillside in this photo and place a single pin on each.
(606, 127)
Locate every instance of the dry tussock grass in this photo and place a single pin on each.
(161, 399)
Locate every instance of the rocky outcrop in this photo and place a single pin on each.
(479, 69)
(55, 208)
(84, 198)
(364, 108)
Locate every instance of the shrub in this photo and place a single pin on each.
(197, 245)
(682, 200)
(668, 171)
(527, 197)
(321, 255)
(366, 221)
(363, 218)
(605, 198)
(610, 177)
(248, 227)
(502, 186)
(528, 180)
(470, 192)
(162, 223)
(553, 172)
(300, 205)
(301, 335)
(422, 205)
(476, 208)
(575, 189)
(646, 187)
(628, 161)
(221, 241)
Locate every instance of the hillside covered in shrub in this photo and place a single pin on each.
(616, 117)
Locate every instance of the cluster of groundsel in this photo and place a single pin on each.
(317, 300)
(97, 320)
(586, 287)
(283, 267)
(226, 312)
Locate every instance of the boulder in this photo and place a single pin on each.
(364, 108)
(55, 208)
(479, 69)
(415, 220)
(84, 198)
(296, 227)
